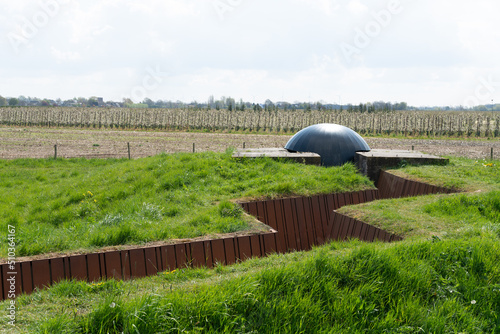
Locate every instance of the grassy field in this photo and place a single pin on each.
(444, 278)
(427, 216)
(76, 205)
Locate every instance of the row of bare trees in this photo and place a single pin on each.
(422, 123)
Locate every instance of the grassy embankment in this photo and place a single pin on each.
(70, 205)
(443, 279)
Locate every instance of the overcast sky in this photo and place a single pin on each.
(424, 52)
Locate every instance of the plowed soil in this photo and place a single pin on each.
(35, 142)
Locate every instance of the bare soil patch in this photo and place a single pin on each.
(38, 142)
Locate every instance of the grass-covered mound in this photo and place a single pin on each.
(477, 207)
(65, 205)
(443, 279)
(431, 286)
(460, 174)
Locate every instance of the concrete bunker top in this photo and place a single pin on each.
(336, 144)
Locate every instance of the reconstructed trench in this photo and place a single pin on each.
(296, 224)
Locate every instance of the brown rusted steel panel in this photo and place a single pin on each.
(66, 267)
(321, 218)
(93, 267)
(218, 255)
(369, 195)
(318, 215)
(271, 214)
(291, 226)
(125, 262)
(41, 273)
(198, 254)
(78, 267)
(57, 270)
(102, 265)
(329, 227)
(27, 282)
(163, 257)
(355, 198)
(346, 225)
(151, 261)
(362, 196)
(159, 259)
(255, 244)
(280, 226)
(356, 231)
(376, 194)
(2, 279)
(350, 229)
(387, 237)
(336, 226)
(309, 220)
(411, 189)
(382, 185)
(381, 235)
(336, 204)
(229, 250)
(421, 188)
(427, 189)
(112, 262)
(180, 255)
(301, 221)
(169, 254)
(341, 200)
(245, 249)
(269, 242)
(363, 232)
(244, 206)
(252, 209)
(261, 212)
(392, 185)
(137, 263)
(400, 187)
(348, 198)
(330, 205)
(406, 188)
(208, 253)
(370, 233)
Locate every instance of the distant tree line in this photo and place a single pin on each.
(229, 103)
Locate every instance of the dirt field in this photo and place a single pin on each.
(37, 142)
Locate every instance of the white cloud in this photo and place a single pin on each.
(356, 7)
(65, 55)
(429, 53)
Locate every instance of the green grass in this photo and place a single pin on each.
(461, 174)
(437, 215)
(427, 286)
(68, 205)
(443, 278)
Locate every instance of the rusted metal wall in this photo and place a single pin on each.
(133, 263)
(302, 222)
(392, 186)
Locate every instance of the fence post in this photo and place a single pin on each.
(193, 148)
(412, 147)
(243, 144)
(491, 153)
(55, 152)
(128, 149)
